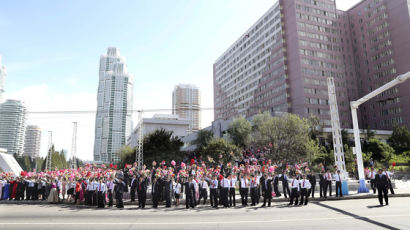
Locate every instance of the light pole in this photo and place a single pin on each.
(354, 105)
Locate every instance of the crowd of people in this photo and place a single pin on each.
(257, 182)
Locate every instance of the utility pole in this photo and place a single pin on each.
(139, 152)
(73, 163)
(50, 145)
(336, 132)
(354, 105)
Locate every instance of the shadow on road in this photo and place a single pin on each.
(356, 216)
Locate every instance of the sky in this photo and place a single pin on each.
(51, 50)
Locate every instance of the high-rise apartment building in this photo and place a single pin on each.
(380, 39)
(113, 122)
(12, 126)
(186, 103)
(32, 141)
(282, 62)
(3, 75)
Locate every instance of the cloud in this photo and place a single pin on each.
(42, 98)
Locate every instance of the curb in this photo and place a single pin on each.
(182, 202)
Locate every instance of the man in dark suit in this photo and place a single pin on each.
(133, 184)
(276, 185)
(119, 191)
(285, 184)
(382, 185)
(142, 191)
(312, 180)
(322, 183)
(168, 190)
(157, 192)
(189, 192)
(267, 190)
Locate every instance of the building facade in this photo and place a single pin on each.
(32, 141)
(282, 62)
(113, 122)
(178, 126)
(3, 75)
(12, 126)
(186, 103)
(380, 39)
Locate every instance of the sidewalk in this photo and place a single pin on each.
(403, 190)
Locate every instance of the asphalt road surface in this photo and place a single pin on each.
(344, 214)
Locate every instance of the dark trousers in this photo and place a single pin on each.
(155, 199)
(232, 199)
(373, 185)
(101, 199)
(312, 190)
(294, 195)
(189, 201)
(244, 196)
(303, 196)
(286, 190)
(223, 200)
(382, 192)
(339, 189)
(390, 186)
(142, 198)
(29, 193)
(43, 193)
(94, 195)
(328, 185)
(322, 189)
(110, 201)
(203, 194)
(132, 194)
(214, 197)
(267, 197)
(77, 197)
(119, 201)
(254, 195)
(88, 198)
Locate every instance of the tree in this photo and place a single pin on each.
(314, 127)
(400, 139)
(220, 149)
(161, 145)
(240, 131)
(380, 151)
(127, 156)
(288, 135)
(203, 138)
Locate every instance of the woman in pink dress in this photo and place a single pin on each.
(64, 187)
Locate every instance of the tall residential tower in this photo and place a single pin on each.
(113, 122)
(12, 126)
(186, 103)
(32, 141)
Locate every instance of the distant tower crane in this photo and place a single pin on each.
(50, 145)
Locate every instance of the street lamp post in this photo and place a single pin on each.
(354, 106)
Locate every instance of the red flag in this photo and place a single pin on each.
(115, 166)
(111, 166)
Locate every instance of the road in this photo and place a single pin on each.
(344, 214)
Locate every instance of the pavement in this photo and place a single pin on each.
(336, 214)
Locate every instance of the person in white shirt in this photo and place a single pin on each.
(304, 190)
(110, 190)
(244, 189)
(372, 176)
(294, 190)
(338, 179)
(214, 191)
(328, 183)
(224, 192)
(94, 194)
(101, 189)
(232, 199)
(203, 190)
(177, 192)
(389, 175)
(254, 189)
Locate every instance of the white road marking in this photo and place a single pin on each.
(206, 222)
